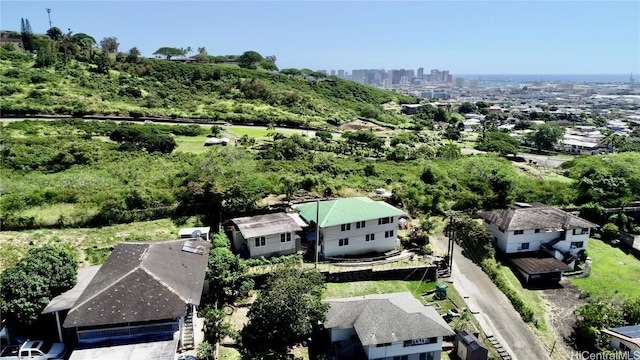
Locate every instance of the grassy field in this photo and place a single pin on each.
(258, 132)
(191, 144)
(614, 274)
(359, 288)
(93, 244)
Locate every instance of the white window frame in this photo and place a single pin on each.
(343, 242)
(345, 227)
(370, 237)
(260, 241)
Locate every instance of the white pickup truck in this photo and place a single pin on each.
(34, 350)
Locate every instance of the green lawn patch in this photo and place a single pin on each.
(93, 244)
(614, 274)
(360, 288)
(191, 144)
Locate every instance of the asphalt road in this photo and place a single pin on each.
(492, 309)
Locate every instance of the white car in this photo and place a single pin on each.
(35, 350)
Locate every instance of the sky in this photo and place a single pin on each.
(464, 37)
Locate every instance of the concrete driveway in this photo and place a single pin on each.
(492, 308)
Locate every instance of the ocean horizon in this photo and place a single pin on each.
(508, 79)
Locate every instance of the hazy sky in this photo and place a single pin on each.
(465, 37)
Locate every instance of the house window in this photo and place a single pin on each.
(518, 232)
(261, 241)
(388, 234)
(385, 220)
(537, 231)
(360, 225)
(585, 231)
(370, 237)
(343, 242)
(345, 227)
(577, 244)
(524, 246)
(285, 237)
(624, 347)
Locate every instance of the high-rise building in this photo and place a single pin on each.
(333, 72)
(341, 74)
(420, 73)
(460, 82)
(359, 76)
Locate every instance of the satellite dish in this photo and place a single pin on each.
(196, 234)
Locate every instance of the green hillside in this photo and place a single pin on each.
(122, 85)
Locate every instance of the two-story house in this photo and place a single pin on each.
(140, 304)
(266, 235)
(353, 226)
(385, 326)
(528, 228)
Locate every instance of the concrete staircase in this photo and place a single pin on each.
(187, 331)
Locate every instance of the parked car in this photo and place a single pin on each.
(34, 350)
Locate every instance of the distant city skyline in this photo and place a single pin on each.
(466, 37)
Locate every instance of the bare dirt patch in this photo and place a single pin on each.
(363, 124)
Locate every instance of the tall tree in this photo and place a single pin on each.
(285, 312)
(226, 272)
(546, 136)
(133, 55)
(41, 275)
(47, 53)
(109, 45)
(249, 59)
(169, 52)
(55, 33)
(202, 55)
(27, 35)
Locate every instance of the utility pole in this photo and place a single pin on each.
(49, 15)
(317, 244)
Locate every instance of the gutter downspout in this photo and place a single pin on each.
(59, 327)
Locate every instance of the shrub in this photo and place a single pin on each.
(610, 231)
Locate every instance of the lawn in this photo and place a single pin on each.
(191, 144)
(359, 288)
(93, 244)
(614, 274)
(258, 132)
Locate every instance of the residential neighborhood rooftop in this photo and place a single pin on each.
(538, 262)
(535, 216)
(347, 210)
(627, 333)
(268, 224)
(386, 318)
(142, 282)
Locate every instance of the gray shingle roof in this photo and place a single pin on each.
(470, 341)
(142, 282)
(538, 217)
(386, 318)
(269, 224)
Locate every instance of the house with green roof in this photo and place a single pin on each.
(353, 226)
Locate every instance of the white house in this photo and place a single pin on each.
(353, 226)
(266, 235)
(385, 326)
(534, 227)
(625, 339)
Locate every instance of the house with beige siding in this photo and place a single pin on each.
(266, 235)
